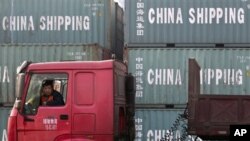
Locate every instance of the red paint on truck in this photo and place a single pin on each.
(95, 109)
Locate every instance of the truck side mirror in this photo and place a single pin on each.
(19, 89)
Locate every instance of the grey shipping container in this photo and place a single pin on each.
(11, 56)
(162, 73)
(59, 21)
(189, 21)
(4, 113)
(154, 124)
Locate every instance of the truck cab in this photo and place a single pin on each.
(98, 99)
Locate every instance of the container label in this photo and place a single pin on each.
(189, 21)
(57, 21)
(208, 76)
(158, 134)
(162, 74)
(46, 23)
(197, 15)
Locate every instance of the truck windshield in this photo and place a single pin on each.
(48, 89)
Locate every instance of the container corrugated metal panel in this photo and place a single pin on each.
(11, 56)
(153, 124)
(4, 113)
(162, 73)
(58, 21)
(189, 21)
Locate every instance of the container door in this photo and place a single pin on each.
(50, 119)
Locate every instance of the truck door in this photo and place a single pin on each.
(43, 122)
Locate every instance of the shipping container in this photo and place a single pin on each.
(59, 21)
(11, 56)
(189, 21)
(155, 124)
(4, 113)
(162, 73)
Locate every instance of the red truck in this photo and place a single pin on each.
(210, 115)
(98, 97)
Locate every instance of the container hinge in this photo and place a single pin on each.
(169, 106)
(219, 45)
(170, 45)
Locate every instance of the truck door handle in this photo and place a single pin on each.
(64, 117)
(28, 119)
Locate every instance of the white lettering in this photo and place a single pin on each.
(238, 76)
(86, 23)
(157, 135)
(5, 23)
(151, 17)
(216, 15)
(150, 78)
(200, 15)
(192, 17)
(241, 15)
(6, 75)
(4, 136)
(239, 132)
(159, 15)
(67, 22)
(179, 16)
(158, 76)
(150, 135)
(212, 15)
(12, 23)
(219, 14)
(23, 23)
(170, 76)
(165, 16)
(50, 23)
(58, 23)
(210, 75)
(42, 23)
(178, 77)
(221, 76)
(31, 24)
(16, 23)
(164, 77)
(218, 76)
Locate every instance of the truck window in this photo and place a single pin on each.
(36, 90)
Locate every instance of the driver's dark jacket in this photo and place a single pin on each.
(55, 99)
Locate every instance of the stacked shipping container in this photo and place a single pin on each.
(55, 30)
(4, 113)
(162, 34)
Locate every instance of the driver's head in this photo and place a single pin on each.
(47, 87)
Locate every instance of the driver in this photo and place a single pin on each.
(49, 96)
